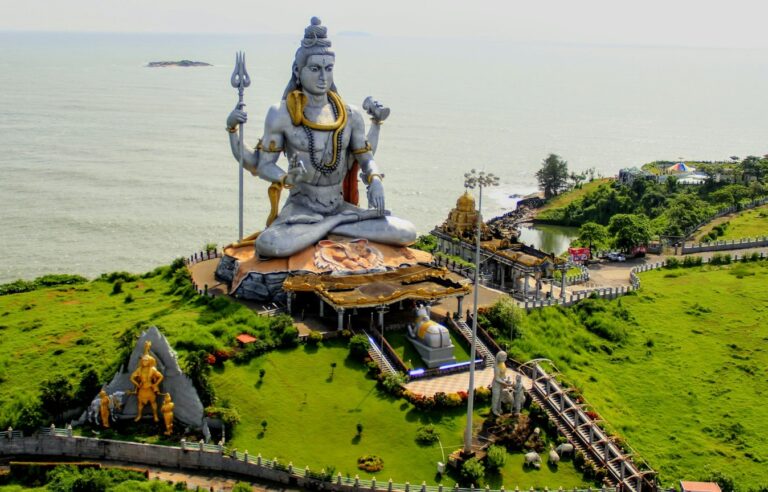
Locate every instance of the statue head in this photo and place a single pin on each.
(313, 59)
(167, 398)
(501, 357)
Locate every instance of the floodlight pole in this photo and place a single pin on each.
(471, 180)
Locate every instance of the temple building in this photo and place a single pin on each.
(505, 264)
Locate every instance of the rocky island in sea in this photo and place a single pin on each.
(181, 63)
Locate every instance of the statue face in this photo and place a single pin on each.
(317, 75)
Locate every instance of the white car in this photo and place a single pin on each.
(615, 257)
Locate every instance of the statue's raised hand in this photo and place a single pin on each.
(376, 196)
(236, 117)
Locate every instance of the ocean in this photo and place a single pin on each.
(108, 165)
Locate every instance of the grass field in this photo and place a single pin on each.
(66, 330)
(747, 224)
(408, 354)
(687, 387)
(565, 198)
(312, 420)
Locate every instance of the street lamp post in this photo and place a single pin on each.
(474, 179)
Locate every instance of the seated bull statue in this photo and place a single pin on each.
(428, 332)
(431, 339)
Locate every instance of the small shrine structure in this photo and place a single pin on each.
(505, 263)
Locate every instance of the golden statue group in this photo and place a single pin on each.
(154, 380)
(146, 381)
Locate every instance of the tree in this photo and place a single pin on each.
(359, 428)
(197, 368)
(333, 368)
(593, 234)
(506, 317)
(630, 231)
(754, 167)
(56, 396)
(553, 175)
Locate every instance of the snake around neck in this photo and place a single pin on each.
(296, 101)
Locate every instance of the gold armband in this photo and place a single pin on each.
(371, 176)
(232, 129)
(272, 147)
(365, 149)
(284, 184)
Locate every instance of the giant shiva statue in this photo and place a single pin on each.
(324, 140)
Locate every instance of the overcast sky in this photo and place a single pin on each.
(717, 23)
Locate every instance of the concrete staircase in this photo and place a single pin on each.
(482, 350)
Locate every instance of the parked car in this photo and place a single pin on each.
(613, 256)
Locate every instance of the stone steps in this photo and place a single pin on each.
(482, 350)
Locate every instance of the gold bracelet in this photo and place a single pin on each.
(232, 130)
(365, 149)
(371, 176)
(284, 184)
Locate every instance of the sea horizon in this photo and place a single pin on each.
(109, 165)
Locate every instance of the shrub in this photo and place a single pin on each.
(230, 416)
(472, 471)
(724, 481)
(358, 346)
(240, 486)
(393, 383)
(289, 337)
(426, 434)
(672, 263)
(692, 261)
(314, 338)
(717, 259)
(578, 460)
(506, 317)
(497, 458)
(128, 299)
(117, 287)
(482, 394)
(70, 478)
(370, 463)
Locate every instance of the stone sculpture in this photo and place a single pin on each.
(533, 459)
(518, 395)
(431, 339)
(167, 410)
(146, 380)
(325, 142)
(187, 409)
(500, 383)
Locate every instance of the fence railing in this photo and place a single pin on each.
(202, 256)
(743, 243)
(256, 465)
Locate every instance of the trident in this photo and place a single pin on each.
(240, 80)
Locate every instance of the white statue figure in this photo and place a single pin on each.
(499, 392)
(518, 395)
(325, 141)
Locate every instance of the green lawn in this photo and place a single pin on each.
(747, 224)
(565, 198)
(65, 330)
(687, 387)
(312, 420)
(408, 354)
